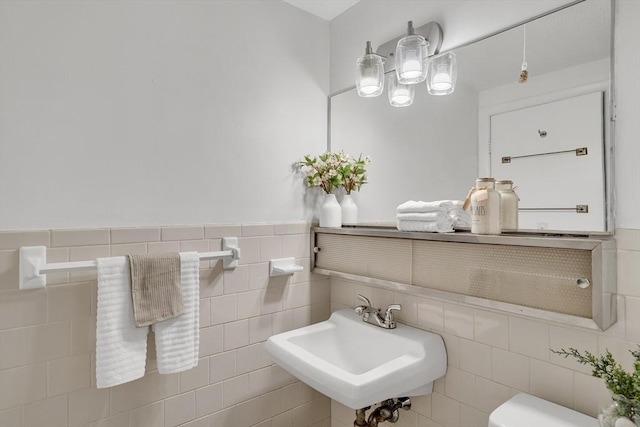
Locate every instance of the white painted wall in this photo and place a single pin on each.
(627, 129)
(150, 113)
(95, 96)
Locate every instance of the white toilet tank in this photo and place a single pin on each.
(524, 410)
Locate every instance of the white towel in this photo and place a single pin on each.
(121, 347)
(428, 226)
(178, 339)
(426, 216)
(413, 206)
(460, 218)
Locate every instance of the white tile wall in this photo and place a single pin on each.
(47, 340)
(493, 355)
(47, 337)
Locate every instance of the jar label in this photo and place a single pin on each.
(482, 194)
(478, 210)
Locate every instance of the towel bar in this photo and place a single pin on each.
(581, 151)
(33, 263)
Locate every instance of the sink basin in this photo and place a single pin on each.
(359, 364)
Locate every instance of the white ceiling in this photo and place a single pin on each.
(325, 9)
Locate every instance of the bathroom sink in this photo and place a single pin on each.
(360, 364)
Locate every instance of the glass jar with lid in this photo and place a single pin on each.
(485, 207)
(508, 204)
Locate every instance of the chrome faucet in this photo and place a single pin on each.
(367, 311)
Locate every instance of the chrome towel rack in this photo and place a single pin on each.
(581, 151)
(34, 268)
(577, 209)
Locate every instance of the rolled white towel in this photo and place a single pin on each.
(460, 218)
(424, 216)
(461, 222)
(413, 206)
(426, 226)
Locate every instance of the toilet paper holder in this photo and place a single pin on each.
(283, 267)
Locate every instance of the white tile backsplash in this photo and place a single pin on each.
(629, 281)
(430, 314)
(236, 334)
(270, 248)
(633, 319)
(491, 328)
(445, 410)
(590, 393)
(235, 390)
(222, 366)
(510, 369)
(490, 394)
(250, 248)
(551, 382)
(223, 309)
(260, 328)
(475, 357)
(209, 399)
(236, 280)
(47, 337)
(562, 337)
(460, 385)
(458, 320)
(529, 337)
(491, 355)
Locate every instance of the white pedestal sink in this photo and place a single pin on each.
(360, 364)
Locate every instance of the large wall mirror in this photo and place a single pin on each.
(550, 135)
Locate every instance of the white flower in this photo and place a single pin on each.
(334, 170)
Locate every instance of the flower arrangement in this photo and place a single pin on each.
(624, 386)
(354, 173)
(335, 170)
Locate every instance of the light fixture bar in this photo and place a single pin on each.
(431, 31)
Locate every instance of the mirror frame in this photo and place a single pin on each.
(609, 143)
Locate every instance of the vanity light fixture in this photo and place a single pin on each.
(442, 74)
(411, 52)
(413, 62)
(400, 95)
(370, 73)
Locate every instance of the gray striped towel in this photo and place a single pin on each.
(156, 291)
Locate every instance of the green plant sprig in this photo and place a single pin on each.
(354, 173)
(617, 380)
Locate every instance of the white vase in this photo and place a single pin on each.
(330, 212)
(349, 210)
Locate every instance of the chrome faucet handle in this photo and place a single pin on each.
(365, 310)
(388, 315)
(365, 300)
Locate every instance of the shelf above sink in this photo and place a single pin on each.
(359, 364)
(569, 279)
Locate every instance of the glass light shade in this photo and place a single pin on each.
(400, 95)
(410, 64)
(370, 75)
(442, 74)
